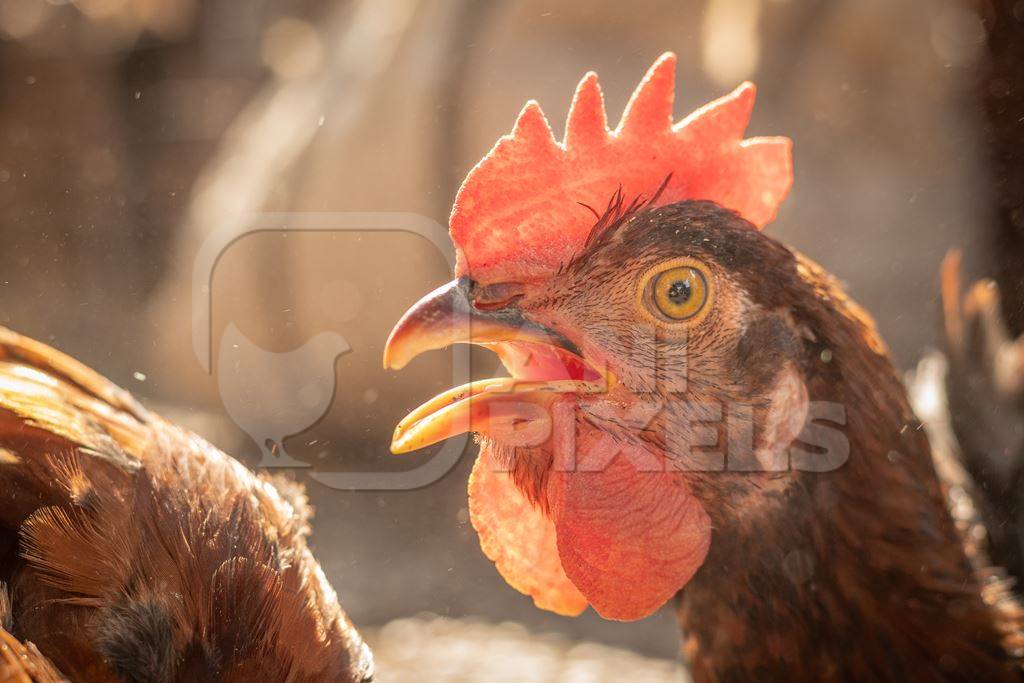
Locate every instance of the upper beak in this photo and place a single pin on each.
(541, 362)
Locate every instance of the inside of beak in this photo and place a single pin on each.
(542, 365)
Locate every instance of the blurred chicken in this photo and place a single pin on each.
(984, 391)
(136, 551)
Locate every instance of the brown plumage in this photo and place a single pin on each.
(136, 551)
(860, 572)
(21, 662)
(824, 559)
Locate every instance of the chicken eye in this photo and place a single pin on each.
(678, 292)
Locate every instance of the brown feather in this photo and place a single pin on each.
(21, 662)
(146, 553)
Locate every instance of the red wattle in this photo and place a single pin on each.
(628, 539)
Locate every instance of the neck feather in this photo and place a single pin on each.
(858, 573)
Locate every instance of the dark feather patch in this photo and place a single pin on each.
(137, 640)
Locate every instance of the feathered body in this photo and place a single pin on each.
(134, 550)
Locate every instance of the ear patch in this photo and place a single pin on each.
(788, 405)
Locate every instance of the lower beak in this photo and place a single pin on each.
(543, 365)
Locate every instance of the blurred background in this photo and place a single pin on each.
(133, 130)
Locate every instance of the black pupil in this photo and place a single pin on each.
(680, 291)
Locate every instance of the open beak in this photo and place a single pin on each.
(542, 365)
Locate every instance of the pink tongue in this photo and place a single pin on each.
(627, 539)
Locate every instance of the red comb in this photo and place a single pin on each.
(521, 212)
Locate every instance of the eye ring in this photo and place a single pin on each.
(676, 292)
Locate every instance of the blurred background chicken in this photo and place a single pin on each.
(136, 551)
(135, 129)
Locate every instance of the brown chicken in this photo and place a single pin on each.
(132, 550)
(695, 412)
